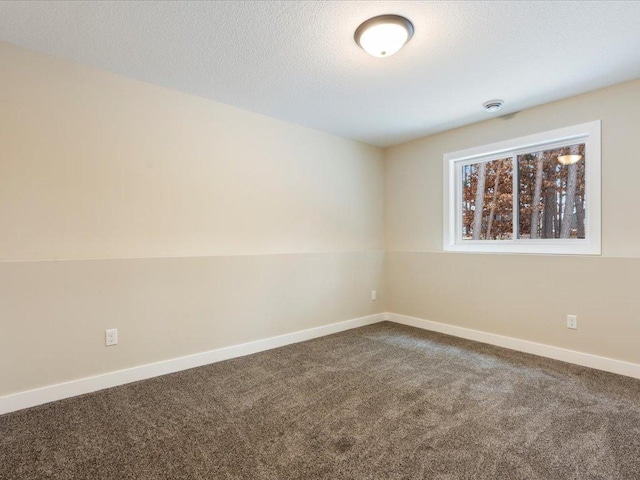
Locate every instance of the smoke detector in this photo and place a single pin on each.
(493, 105)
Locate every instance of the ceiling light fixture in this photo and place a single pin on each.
(493, 105)
(384, 35)
(569, 159)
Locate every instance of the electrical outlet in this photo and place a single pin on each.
(111, 337)
(374, 295)
(572, 322)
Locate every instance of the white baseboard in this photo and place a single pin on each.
(39, 396)
(73, 388)
(570, 356)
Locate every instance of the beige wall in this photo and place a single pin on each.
(186, 224)
(522, 296)
(54, 313)
(95, 165)
(191, 225)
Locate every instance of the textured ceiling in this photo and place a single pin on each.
(297, 61)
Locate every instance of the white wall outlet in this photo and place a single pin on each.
(111, 337)
(572, 322)
(374, 295)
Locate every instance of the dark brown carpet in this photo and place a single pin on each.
(379, 402)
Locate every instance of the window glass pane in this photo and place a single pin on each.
(551, 193)
(487, 200)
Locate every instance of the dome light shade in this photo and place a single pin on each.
(384, 35)
(569, 159)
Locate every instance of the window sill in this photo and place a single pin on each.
(555, 248)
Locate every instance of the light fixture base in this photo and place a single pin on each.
(384, 35)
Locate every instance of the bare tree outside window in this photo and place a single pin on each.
(487, 200)
(551, 195)
(537, 194)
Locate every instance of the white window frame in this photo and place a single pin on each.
(587, 133)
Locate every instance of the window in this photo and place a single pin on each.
(536, 194)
